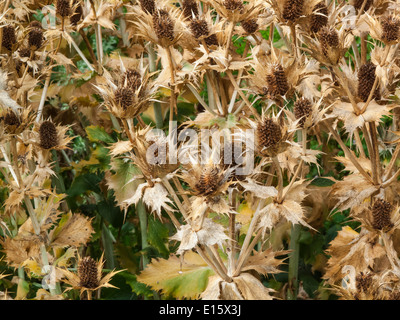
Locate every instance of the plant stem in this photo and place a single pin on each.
(280, 178)
(294, 262)
(142, 214)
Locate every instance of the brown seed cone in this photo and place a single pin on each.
(268, 133)
(35, 38)
(76, 16)
(48, 135)
(277, 82)
(363, 282)
(208, 182)
(190, 9)
(302, 109)
(211, 40)
(87, 273)
(233, 5)
(390, 29)
(163, 25)
(132, 78)
(199, 28)
(358, 4)
(9, 37)
(366, 79)
(148, 6)
(329, 38)
(319, 18)
(11, 119)
(63, 8)
(381, 211)
(124, 96)
(250, 26)
(292, 10)
(24, 52)
(35, 24)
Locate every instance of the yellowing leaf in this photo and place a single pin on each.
(181, 278)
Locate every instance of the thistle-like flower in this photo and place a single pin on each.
(9, 39)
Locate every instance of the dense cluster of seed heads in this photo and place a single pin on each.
(163, 25)
(277, 81)
(208, 182)
(359, 3)
(268, 133)
(48, 135)
(88, 273)
(319, 18)
(250, 26)
(293, 10)
(9, 37)
(63, 8)
(381, 212)
(366, 79)
(302, 109)
(390, 28)
(328, 38)
(35, 35)
(190, 9)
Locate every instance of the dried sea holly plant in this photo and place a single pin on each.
(215, 149)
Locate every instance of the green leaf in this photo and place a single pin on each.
(137, 287)
(322, 182)
(158, 235)
(98, 134)
(84, 183)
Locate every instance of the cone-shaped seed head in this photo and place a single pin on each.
(124, 96)
(87, 273)
(163, 25)
(11, 119)
(390, 28)
(276, 81)
(199, 28)
(292, 10)
(302, 109)
(381, 211)
(366, 79)
(35, 38)
(250, 26)
(268, 133)
(363, 282)
(190, 9)
(63, 8)
(24, 52)
(48, 135)
(211, 40)
(148, 6)
(319, 18)
(208, 182)
(9, 38)
(329, 38)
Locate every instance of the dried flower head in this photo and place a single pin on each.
(132, 79)
(268, 133)
(302, 109)
(292, 10)
(329, 39)
(250, 26)
(163, 25)
(390, 28)
(319, 17)
(148, 6)
(381, 213)
(209, 181)
(363, 282)
(11, 119)
(88, 273)
(63, 8)
(124, 97)
(233, 5)
(48, 135)
(9, 37)
(199, 28)
(277, 84)
(366, 79)
(35, 35)
(190, 9)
